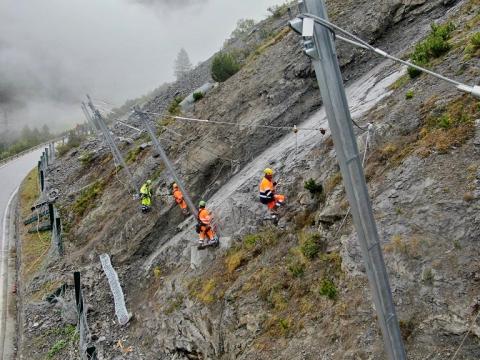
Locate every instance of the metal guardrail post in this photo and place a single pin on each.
(58, 233)
(87, 351)
(51, 214)
(39, 169)
(56, 223)
(42, 180)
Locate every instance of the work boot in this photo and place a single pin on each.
(275, 219)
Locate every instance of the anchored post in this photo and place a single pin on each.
(145, 119)
(319, 45)
(91, 121)
(113, 147)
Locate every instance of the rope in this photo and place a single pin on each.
(289, 128)
(365, 45)
(369, 129)
(465, 337)
(128, 188)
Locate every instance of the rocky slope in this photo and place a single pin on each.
(299, 291)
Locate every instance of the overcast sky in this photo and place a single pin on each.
(54, 51)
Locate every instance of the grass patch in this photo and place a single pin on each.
(428, 277)
(400, 82)
(332, 182)
(311, 245)
(47, 288)
(409, 247)
(132, 155)
(328, 289)
(87, 199)
(174, 107)
(207, 292)
(235, 260)
(87, 158)
(473, 47)
(409, 94)
(69, 338)
(435, 45)
(453, 127)
(271, 41)
(297, 268)
(34, 247)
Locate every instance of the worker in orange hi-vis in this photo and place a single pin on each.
(268, 195)
(206, 234)
(178, 196)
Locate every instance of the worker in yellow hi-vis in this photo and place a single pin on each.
(146, 196)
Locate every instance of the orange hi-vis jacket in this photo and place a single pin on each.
(267, 191)
(177, 194)
(204, 216)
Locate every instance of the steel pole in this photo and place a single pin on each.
(113, 147)
(90, 119)
(145, 119)
(335, 101)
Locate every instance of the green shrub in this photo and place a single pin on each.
(312, 186)
(244, 26)
(86, 158)
(251, 240)
(311, 246)
(198, 96)
(174, 107)
(297, 269)
(475, 40)
(328, 289)
(133, 155)
(435, 45)
(409, 94)
(56, 348)
(278, 10)
(87, 198)
(224, 65)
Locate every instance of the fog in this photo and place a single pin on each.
(52, 52)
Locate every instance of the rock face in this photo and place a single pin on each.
(298, 291)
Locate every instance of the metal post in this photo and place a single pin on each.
(51, 214)
(339, 118)
(47, 162)
(145, 119)
(90, 119)
(39, 169)
(52, 151)
(113, 147)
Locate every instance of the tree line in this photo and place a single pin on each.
(12, 144)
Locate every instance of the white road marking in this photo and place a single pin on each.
(4, 273)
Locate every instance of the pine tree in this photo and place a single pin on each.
(182, 64)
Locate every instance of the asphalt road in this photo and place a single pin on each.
(11, 175)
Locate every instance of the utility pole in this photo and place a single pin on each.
(145, 119)
(320, 46)
(109, 139)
